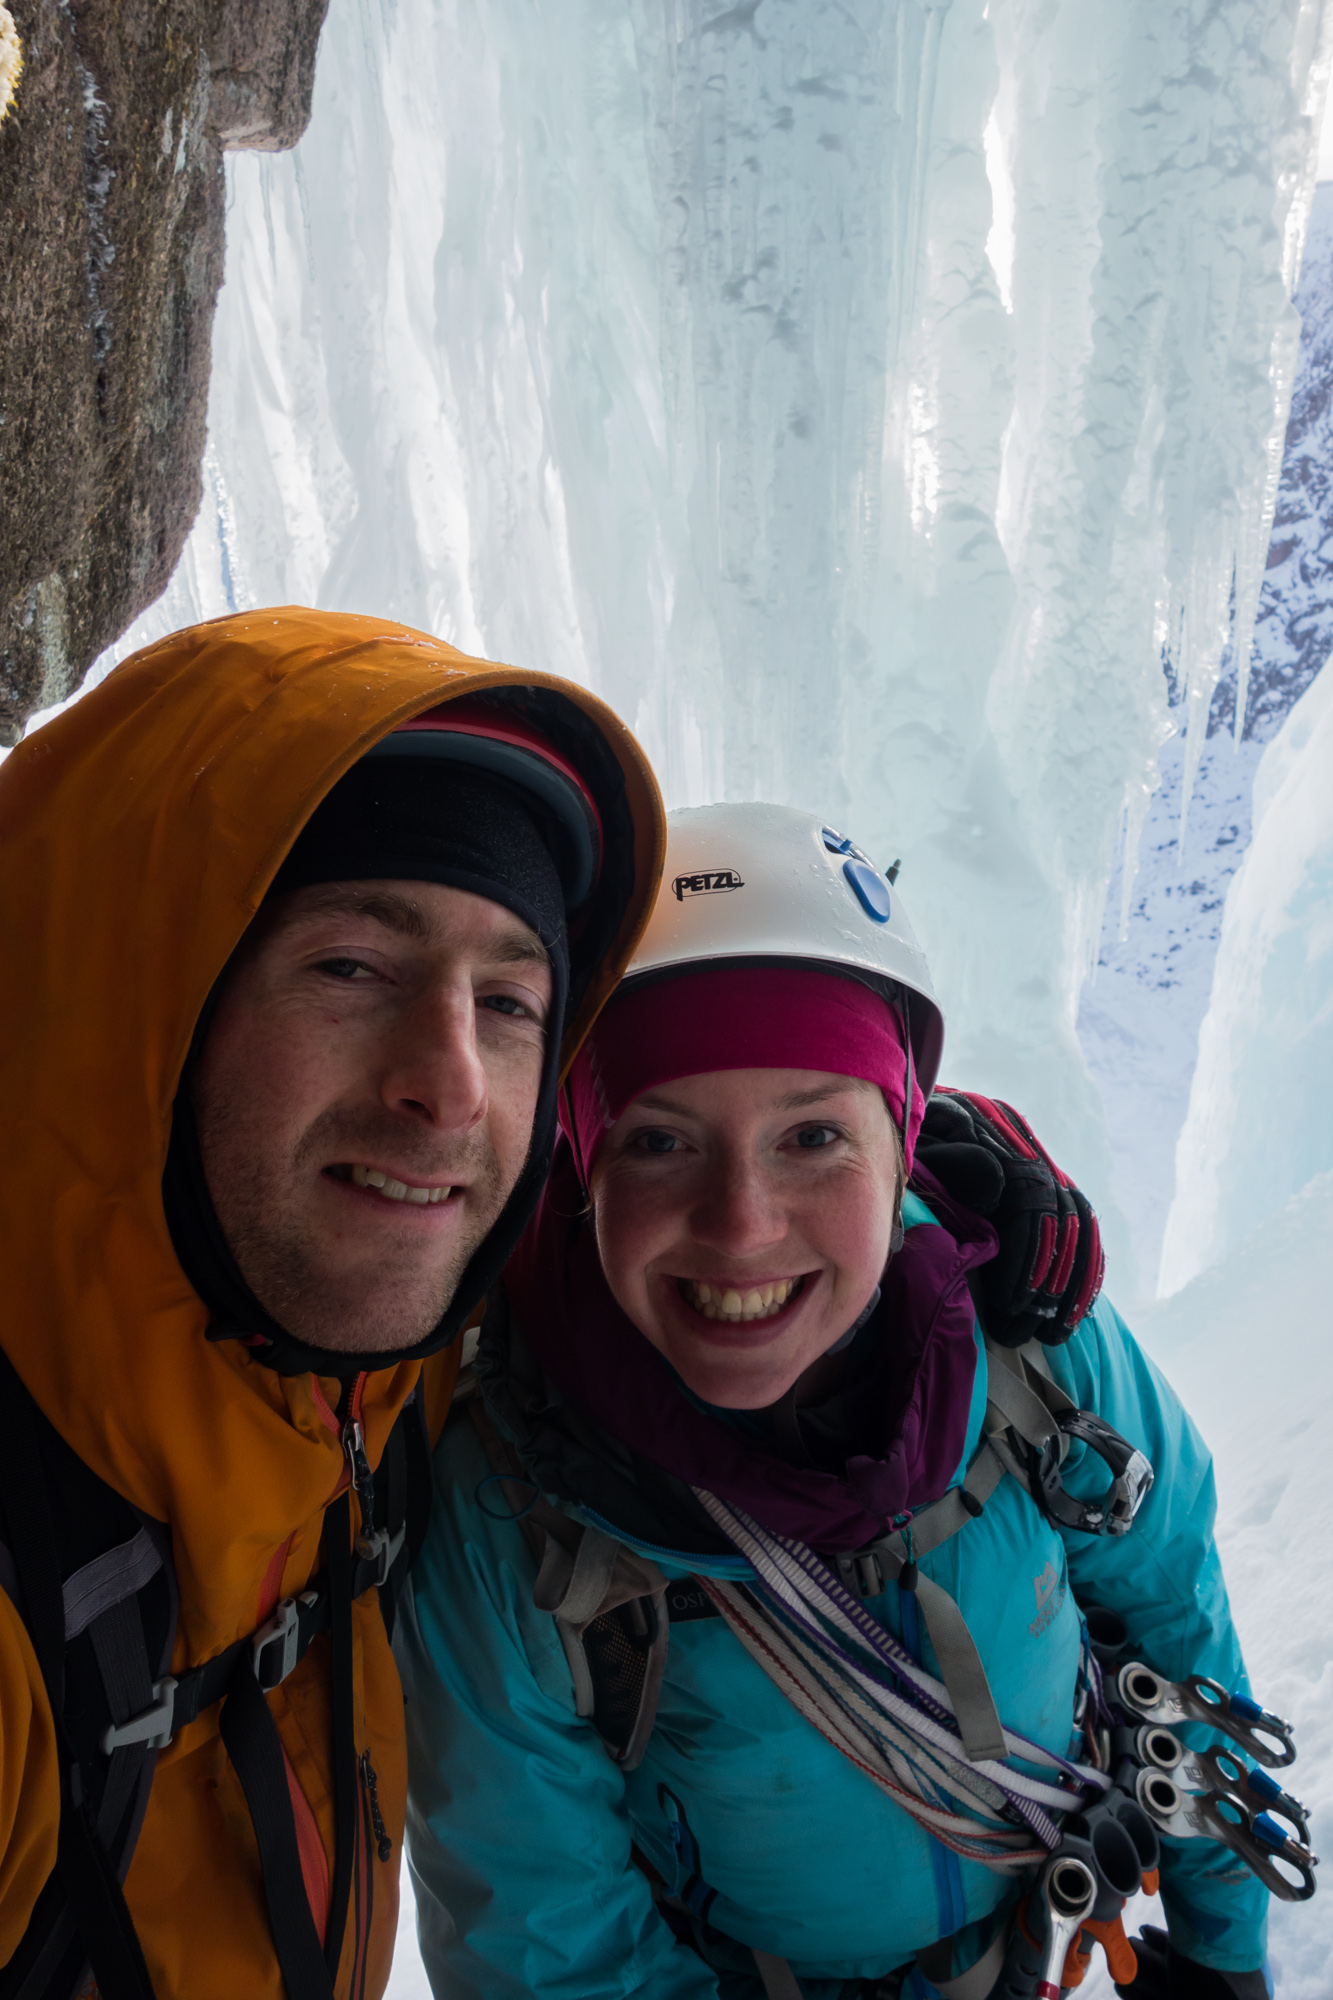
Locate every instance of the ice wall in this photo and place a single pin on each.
(860, 395)
(1260, 1119)
(1140, 1014)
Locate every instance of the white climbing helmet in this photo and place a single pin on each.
(770, 884)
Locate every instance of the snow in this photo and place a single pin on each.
(1246, 1345)
(407, 1979)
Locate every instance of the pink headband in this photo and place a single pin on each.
(752, 1017)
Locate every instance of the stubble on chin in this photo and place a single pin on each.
(303, 1270)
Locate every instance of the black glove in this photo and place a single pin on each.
(1050, 1265)
(1165, 1975)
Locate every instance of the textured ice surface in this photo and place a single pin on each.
(858, 395)
(1261, 1102)
(1140, 1014)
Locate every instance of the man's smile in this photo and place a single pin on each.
(388, 1187)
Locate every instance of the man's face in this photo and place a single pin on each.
(365, 1097)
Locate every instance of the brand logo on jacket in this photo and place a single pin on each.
(708, 882)
(1050, 1593)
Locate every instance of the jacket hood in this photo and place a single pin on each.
(605, 1423)
(141, 830)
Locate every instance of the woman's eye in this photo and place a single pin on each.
(811, 1137)
(656, 1143)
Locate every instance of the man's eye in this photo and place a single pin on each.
(342, 968)
(811, 1137)
(505, 1003)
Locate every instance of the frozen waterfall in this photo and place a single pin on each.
(864, 398)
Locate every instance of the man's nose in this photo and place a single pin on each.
(738, 1211)
(434, 1070)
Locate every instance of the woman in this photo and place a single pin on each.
(739, 1332)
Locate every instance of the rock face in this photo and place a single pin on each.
(111, 194)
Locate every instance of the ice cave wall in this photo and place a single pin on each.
(1261, 1102)
(861, 397)
(1141, 1013)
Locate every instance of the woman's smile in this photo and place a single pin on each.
(734, 1313)
(732, 1300)
(743, 1222)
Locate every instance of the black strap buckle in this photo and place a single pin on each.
(1132, 1477)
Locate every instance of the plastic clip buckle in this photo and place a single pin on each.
(861, 1571)
(151, 1727)
(282, 1630)
(381, 1551)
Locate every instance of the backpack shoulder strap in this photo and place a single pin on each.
(606, 1599)
(402, 1500)
(93, 1581)
(91, 1628)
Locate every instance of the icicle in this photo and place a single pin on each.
(918, 72)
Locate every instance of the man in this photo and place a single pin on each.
(299, 910)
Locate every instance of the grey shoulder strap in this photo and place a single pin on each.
(607, 1602)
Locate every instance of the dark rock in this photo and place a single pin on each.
(111, 192)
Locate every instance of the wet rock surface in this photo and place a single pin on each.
(111, 248)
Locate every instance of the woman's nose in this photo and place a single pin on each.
(739, 1210)
(433, 1068)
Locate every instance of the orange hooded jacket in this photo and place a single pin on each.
(140, 832)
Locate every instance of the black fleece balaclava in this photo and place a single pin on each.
(391, 819)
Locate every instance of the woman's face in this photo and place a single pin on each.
(743, 1221)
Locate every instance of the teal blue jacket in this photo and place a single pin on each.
(520, 1826)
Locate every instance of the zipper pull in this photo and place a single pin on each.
(372, 1544)
(372, 1784)
(363, 1479)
